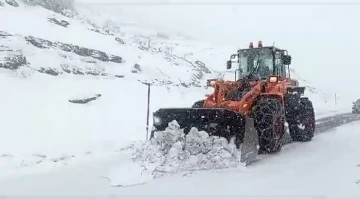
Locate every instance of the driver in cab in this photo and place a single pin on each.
(263, 70)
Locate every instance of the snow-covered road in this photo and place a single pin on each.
(327, 167)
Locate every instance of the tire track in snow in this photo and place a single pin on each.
(323, 125)
(326, 124)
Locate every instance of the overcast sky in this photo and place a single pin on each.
(323, 39)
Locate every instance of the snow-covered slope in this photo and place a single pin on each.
(71, 48)
(44, 65)
(47, 59)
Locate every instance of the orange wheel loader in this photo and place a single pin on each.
(252, 109)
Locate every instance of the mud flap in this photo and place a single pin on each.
(248, 148)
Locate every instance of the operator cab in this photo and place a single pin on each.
(261, 62)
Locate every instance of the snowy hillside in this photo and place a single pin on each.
(48, 64)
(60, 45)
(49, 60)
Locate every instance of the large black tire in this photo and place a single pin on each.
(198, 104)
(302, 121)
(269, 121)
(355, 110)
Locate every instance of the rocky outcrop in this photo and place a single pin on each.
(62, 23)
(100, 31)
(118, 39)
(87, 71)
(202, 67)
(158, 82)
(72, 70)
(40, 43)
(64, 7)
(81, 51)
(4, 34)
(136, 68)
(10, 59)
(50, 71)
(85, 100)
(66, 69)
(12, 3)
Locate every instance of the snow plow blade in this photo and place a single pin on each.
(216, 122)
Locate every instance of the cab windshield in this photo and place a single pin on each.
(251, 58)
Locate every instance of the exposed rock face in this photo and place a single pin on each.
(12, 3)
(101, 31)
(10, 59)
(118, 39)
(4, 34)
(14, 59)
(64, 7)
(202, 67)
(13, 62)
(136, 69)
(62, 23)
(82, 51)
(85, 100)
(87, 71)
(50, 71)
(40, 43)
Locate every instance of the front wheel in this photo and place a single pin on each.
(269, 120)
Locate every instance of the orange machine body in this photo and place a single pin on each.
(276, 89)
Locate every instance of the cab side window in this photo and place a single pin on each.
(280, 67)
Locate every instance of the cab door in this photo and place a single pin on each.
(279, 68)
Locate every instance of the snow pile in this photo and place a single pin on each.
(173, 152)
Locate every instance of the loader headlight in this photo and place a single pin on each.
(273, 79)
(157, 120)
(211, 82)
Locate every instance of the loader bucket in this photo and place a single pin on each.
(216, 122)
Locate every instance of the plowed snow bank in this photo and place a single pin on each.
(171, 152)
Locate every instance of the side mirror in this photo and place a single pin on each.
(286, 59)
(228, 64)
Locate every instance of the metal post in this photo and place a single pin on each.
(335, 99)
(148, 112)
(236, 71)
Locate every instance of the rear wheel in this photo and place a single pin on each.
(302, 122)
(355, 110)
(269, 121)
